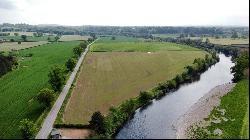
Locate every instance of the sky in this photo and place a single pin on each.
(126, 12)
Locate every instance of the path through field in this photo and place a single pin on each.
(50, 119)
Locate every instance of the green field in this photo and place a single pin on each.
(19, 87)
(136, 45)
(236, 104)
(108, 78)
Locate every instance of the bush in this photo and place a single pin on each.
(97, 122)
(19, 42)
(178, 79)
(12, 40)
(57, 78)
(128, 106)
(83, 45)
(70, 64)
(144, 97)
(28, 129)
(46, 97)
(77, 51)
(171, 84)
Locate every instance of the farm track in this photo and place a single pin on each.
(51, 117)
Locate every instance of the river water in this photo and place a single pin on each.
(156, 120)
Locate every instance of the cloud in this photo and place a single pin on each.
(7, 5)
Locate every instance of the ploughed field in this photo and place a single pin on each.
(115, 70)
(18, 88)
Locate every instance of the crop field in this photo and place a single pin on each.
(108, 78)
(73, 37)
(8, 46)
(19, 87)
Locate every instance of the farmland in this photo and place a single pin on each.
(73, 37)
(19, 87)
(136, 45)
(227, 41)
(116, 70)
(8, 46)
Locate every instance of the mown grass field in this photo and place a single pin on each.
(108, 78)
(19, 87)
(73, 37)
(8, 46)
(136, 45)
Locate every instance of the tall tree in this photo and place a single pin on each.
(24, 37)
(28, 129)
(57, 78)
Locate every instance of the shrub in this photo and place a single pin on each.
(178, 79)
(77, 51)
(83, 45)
(128, 106)
(144, 97)
(97, 122)
(57, 78)
(70, 64)
(19, 42)
(28, 129)
(46, 97)
(171, 84)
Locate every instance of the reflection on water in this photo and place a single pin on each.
(156, 120)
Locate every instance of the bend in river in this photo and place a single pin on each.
(156, 120)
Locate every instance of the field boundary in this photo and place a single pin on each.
(51, 117)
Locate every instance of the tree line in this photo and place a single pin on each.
(126, 30)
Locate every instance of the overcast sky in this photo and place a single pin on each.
(126, 12)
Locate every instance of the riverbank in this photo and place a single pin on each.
(201, 109)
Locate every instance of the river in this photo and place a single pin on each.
(156, 120)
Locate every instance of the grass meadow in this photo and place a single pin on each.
(108, 78)
(236, 104)
(19, 87)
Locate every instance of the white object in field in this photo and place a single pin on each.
(149, 52)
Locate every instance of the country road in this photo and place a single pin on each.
(50, 119)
